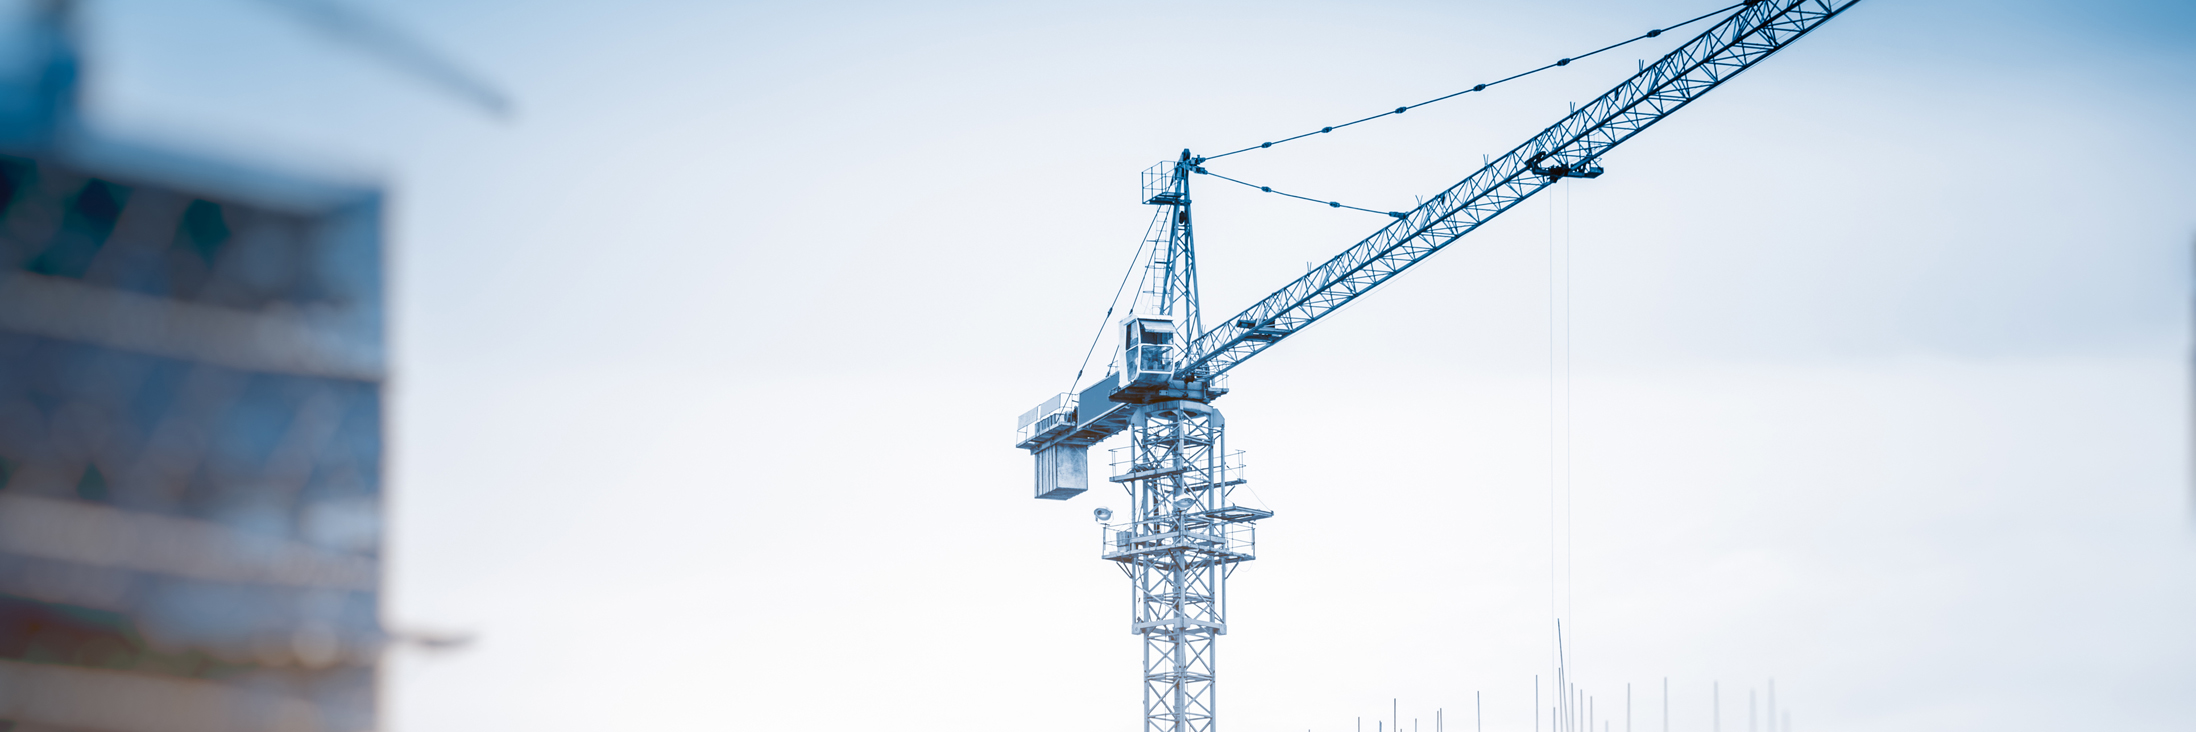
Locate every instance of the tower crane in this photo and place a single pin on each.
(1182, 535)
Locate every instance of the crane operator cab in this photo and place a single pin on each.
(1149, 351)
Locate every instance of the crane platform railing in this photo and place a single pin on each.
(1198, 540)
(1230, 469)
(1047, 420)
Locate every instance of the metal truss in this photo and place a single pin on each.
(1567, 148)
(1170, 278)
(1180, 541)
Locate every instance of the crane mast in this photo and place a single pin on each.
(1183, 535)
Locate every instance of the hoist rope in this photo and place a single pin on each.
(1560, 462)
(1570, 533)
(1483, 87)
(1554, 650)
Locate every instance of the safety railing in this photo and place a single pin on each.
(1228, 469)
(1158, 184)
(1224, 541)
(1054, 415)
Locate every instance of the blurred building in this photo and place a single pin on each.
(191, 372)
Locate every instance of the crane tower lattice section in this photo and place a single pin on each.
(1178, 544)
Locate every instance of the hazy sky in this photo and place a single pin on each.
(708, 357)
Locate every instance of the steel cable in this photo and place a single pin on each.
(1329, 204)
(1134, 260)
(1483, 87)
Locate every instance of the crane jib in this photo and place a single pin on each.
(1568, 148)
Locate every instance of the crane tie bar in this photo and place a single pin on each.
(1476, 87)
(1330, 204)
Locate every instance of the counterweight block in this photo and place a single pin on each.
(1063, 471)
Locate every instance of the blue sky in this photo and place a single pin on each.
(707, 356)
